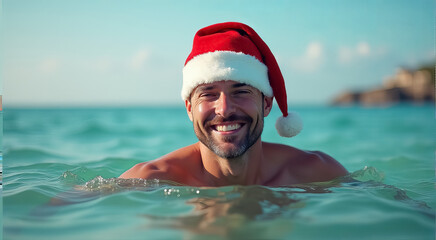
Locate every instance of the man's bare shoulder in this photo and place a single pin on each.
(171, 166)
(307, 166)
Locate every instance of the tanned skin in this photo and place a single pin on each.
(228, 120)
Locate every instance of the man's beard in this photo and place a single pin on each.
(240, 148)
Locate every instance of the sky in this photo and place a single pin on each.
(131, 53)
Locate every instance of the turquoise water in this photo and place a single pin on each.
(60, 168)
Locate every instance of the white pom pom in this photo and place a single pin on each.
(290, 125)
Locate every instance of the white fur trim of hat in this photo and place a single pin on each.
(225, 65)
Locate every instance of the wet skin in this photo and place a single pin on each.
(228, 120)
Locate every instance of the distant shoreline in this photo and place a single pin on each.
(406, 86)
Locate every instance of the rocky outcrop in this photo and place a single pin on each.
(405, 86)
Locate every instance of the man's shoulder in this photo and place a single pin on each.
(170, 165)
(318, 166)
(311, 165)
(144, 170)
(280, 152)
(289, 153)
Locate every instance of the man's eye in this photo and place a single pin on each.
(242, 92)
(207, 95)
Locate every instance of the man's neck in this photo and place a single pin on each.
(236, 171)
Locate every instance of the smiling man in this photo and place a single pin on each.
(229, 82)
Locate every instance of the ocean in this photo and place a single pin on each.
(60, 169)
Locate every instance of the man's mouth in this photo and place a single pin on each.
(227, 127)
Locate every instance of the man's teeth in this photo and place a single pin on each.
(225, 128)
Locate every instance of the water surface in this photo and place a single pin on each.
(60, 168)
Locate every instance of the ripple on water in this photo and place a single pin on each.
(31, 155)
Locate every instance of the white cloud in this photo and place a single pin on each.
(311, 59)
(348, 54)
(314, 51)
(139, 59)
(363, 49)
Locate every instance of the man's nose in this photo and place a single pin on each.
(224, 106)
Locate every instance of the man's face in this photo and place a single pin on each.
(228, 116)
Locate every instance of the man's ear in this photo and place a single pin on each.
(267, 105)
(188, 109)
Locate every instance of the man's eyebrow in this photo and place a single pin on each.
(211, 87)
(205, 88)
(236, 85)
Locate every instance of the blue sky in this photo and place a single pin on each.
(117, 53)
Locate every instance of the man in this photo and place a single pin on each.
(229, 81)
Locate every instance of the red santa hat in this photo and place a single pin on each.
(234, 51)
